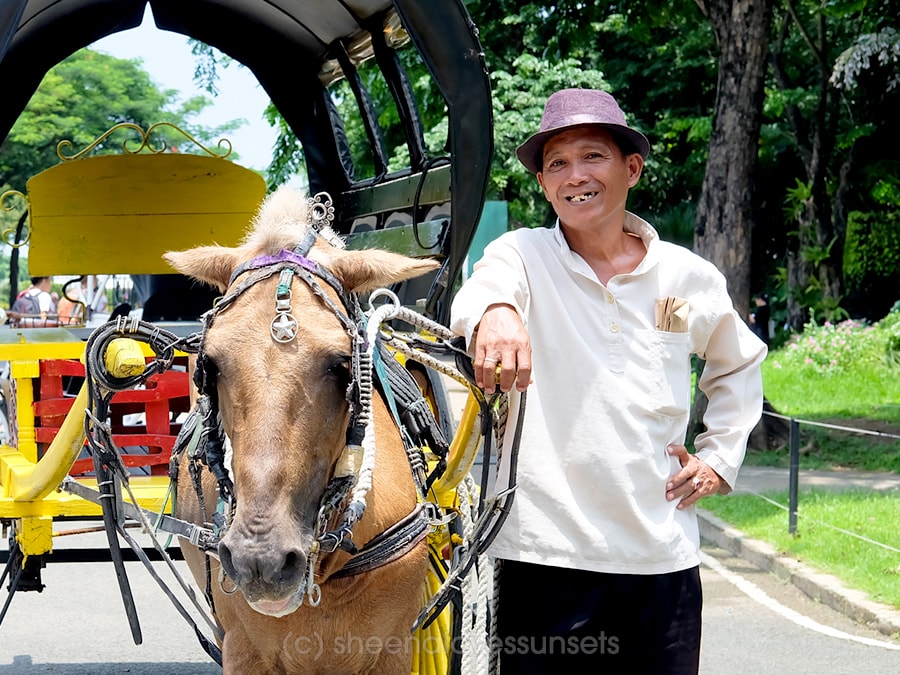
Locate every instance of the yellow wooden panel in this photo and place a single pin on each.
(117, 214)
(35, 535)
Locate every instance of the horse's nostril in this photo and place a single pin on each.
(294, 562)
(227, 562)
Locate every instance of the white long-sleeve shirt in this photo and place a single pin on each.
(609, 393)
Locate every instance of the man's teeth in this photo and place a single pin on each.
(581, 198)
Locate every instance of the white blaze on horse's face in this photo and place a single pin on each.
(282, 404)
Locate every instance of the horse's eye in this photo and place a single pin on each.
(339, 368)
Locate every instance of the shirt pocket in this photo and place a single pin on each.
(662, 364)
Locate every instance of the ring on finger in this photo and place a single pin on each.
(696, 484)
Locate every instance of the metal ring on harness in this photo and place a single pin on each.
(392, 301)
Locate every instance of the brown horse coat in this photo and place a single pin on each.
(284, 411)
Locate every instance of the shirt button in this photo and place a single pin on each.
(614, 328)
(610, 298)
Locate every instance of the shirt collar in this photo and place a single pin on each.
(633, 224)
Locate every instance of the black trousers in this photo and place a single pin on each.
(554, 620)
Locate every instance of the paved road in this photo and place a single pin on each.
(77, 626)
(765, 625)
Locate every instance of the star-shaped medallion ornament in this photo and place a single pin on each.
(284, 327)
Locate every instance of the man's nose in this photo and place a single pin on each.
(578, 173)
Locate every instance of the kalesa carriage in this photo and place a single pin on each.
(154, 423)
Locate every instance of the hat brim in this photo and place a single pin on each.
(531, 152)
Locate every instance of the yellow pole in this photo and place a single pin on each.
(463, 448)
(36, 481)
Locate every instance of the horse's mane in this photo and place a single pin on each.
(281, 223)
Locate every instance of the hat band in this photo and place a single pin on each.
(571, 120)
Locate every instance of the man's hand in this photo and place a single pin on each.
(695, 479)
(502, 350)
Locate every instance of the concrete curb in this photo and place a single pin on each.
(823, 588)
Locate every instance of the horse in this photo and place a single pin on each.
(277, 360)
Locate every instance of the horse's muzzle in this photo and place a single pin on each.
(268, 570)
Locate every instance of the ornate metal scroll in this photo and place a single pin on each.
(9, 235)
(143, 142)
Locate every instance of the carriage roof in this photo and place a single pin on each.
(296, 45)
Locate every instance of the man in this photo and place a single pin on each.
(34, 307)
(598, 319)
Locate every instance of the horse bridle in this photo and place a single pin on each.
(283, 328)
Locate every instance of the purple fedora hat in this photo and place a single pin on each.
(573, 107)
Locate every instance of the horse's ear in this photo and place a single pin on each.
(210, 264)
(363, 271)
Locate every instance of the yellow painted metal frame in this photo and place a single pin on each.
(28, 487)
(106, 214)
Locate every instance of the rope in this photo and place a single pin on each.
(364, 483)
(836, 427)
(477, 590)
(401, 345)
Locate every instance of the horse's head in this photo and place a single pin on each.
(280, 374)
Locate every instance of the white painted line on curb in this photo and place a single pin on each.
(760, 596)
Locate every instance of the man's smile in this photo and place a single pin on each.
(583, 197)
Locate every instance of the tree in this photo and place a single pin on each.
(725, 210)
(654, 57)
(834, 89)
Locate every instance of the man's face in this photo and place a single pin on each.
(586, 178)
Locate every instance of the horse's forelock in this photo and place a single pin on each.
(282, 222)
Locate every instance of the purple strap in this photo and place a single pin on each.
(267, 260)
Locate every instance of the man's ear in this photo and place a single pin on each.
(635, 165)
(540, 179)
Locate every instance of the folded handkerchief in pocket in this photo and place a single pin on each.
(672, 314)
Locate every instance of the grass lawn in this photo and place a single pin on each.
(860, 564)
(841, 375)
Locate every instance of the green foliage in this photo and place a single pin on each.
(287, 155)
(872, 251)
(795, 199)
(891, 324)
(870, 51)
(886, 191)
(844, 370)
(519, 97)
(676, 224)
(658, 59)
(824, 146)
(832, 349)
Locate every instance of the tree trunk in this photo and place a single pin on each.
(725, 210)
(724, 213)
